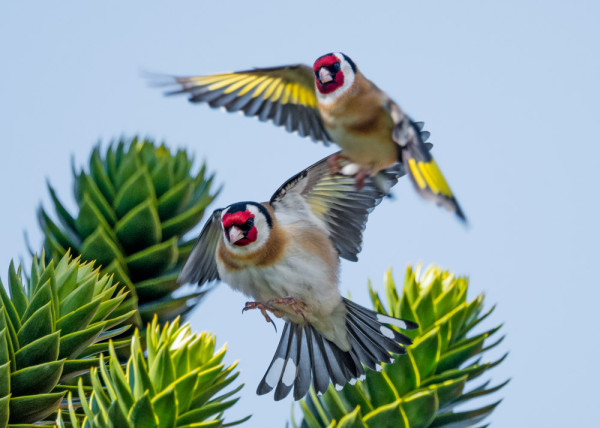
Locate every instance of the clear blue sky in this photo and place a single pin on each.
(508, 89)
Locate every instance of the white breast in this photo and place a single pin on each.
(298, 275)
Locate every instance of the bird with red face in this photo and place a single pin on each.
(332, 101)
(285, 254)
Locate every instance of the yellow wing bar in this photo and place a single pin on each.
(434, 178)
(427, 174)
(284, 95)
(430, 183)
(272, 89)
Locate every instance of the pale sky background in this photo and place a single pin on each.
(509, 91)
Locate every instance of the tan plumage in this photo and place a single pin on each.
(296, 240)
(359, 122)
(285, 255)
(348, 109)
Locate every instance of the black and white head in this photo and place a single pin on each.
(246, 226)
(334, 75)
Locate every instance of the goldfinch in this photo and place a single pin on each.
(285, 255)
(330, 102)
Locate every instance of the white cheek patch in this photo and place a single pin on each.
(348, 82)
(262, 236)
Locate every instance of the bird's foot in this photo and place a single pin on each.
(263, 310)
(333, 162)
(298, 306)
(360, 177)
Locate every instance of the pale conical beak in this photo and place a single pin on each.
(324, 75)
(235, 234)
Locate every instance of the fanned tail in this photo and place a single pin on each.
(304, 355)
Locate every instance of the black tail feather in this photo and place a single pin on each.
(289, 370)
(377, 352)
(374, 333)
(388, 337)
(383, 319)
(365, 356)
(317, 361)
(268, 381)
(304, 354)
(347, 365)
(302, 382)
(334, 367)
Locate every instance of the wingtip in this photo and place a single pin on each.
(461, 216)
(157, 80)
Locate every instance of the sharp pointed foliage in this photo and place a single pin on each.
(134, 202)
(52, 325)
(423, 389)
(177, 382)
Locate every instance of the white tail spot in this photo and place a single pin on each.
(273, 374)
(390, 320)
(289, 373)
(386, 332)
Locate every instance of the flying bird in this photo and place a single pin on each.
(332, 101)
(285, 255)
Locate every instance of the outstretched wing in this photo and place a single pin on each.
(337, 202)
(284, 95)
(418, 162)
(201, 266)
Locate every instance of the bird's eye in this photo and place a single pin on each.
(336, 67)
(249, 222)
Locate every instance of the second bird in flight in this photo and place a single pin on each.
(331, 102)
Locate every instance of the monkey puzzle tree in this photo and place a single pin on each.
(422, 388)
(177, 383)
(52, 326)
(135, 202)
